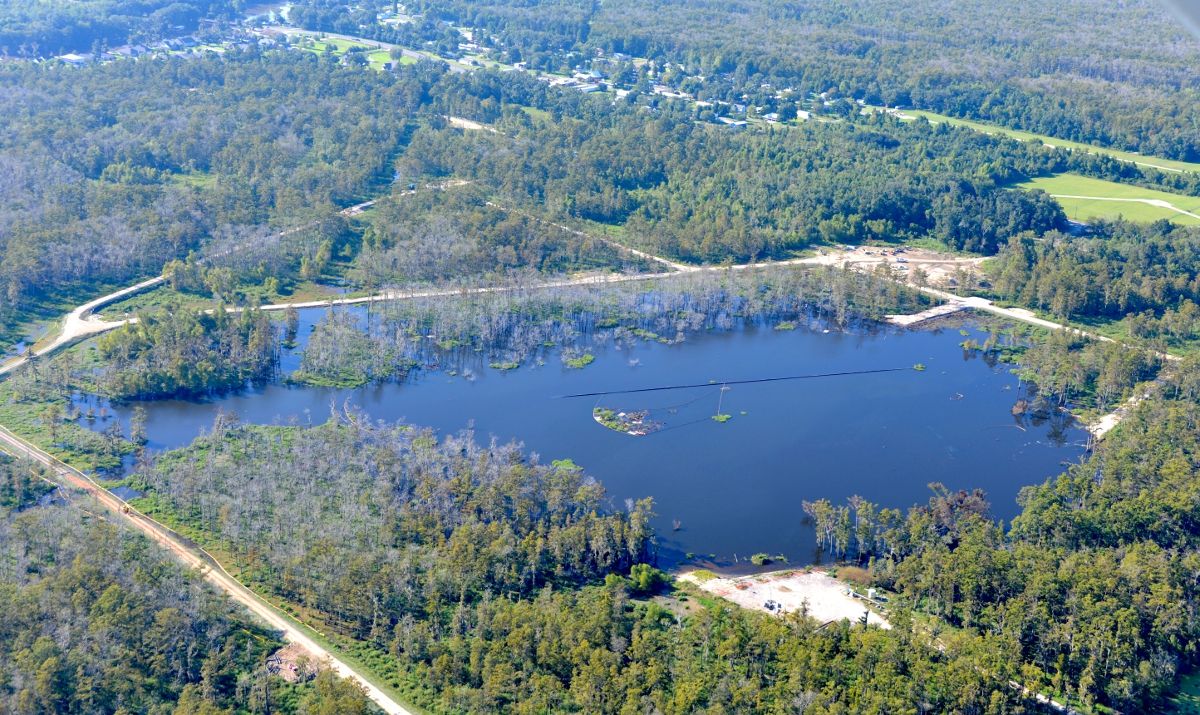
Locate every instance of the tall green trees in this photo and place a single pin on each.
(1006, 64)
(43, 28)
(1147, 276)
(176, 352)
(496, 584)
(701, 193)
(96, 619)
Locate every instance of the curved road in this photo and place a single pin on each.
(81, 322)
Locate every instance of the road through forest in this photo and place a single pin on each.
(194, 557)
(82, 322)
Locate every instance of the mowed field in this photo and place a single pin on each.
(376, 58)
(1153, 161)
(1084, 198)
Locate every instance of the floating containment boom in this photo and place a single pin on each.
(735, 382)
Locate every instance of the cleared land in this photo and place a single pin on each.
(1084, 199)
(826, 598)
(1139, 159)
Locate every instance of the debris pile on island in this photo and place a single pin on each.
(634, 424)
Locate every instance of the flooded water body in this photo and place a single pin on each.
(734, 488)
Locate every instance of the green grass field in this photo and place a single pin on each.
(1154, 161)
(336, 45)
(1128, 204)
(376, 58)
(198, 179)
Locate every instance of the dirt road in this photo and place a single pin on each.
(1157, 203)
(196, 558)
(82, 322)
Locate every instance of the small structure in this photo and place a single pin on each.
(75, 59)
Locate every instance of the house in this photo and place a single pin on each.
(733, 123)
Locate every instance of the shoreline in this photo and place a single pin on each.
(808, 589)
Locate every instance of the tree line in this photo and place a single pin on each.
(702, 193)
(465, 567)
(1146, 276)
(1005, 64)
(96, 619)
(484, 581)
(176, 352)
(111, 171)
(520, 326)
(45, 29)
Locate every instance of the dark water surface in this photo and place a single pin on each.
(735, 488)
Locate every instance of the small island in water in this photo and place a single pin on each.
(634, 424)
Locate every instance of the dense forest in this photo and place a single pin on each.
(463, 564)
(439, 238)
(43, 28)
(180, 352)
(231, 170)
(450, 556)
(1092, 591)
(96, 619)
(700, 193)
(1147, 276)
(1026, 65)
(111, 171)
(467, 574)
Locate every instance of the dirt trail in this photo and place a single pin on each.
(82, 322)
(196, 558)
(1157, 203)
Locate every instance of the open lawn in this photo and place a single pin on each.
(379, 58)
(1151, 161)
(1084, 198)
(198, 179)
(338, 46)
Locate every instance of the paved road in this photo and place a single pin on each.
(196, 558)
